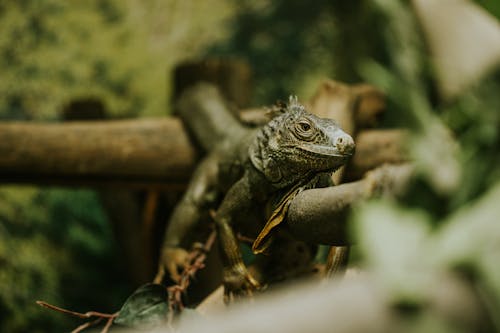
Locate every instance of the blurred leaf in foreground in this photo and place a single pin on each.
(464, 41)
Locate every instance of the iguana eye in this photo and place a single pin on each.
(303, 130)
(305, 126)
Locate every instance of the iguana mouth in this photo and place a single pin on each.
(323, 150)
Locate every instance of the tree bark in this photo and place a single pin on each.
(356, 106)
(151, 153)
(233, 77)
(374, 148)
(319, 215)
(128, 152)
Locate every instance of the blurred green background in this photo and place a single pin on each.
(56, 244)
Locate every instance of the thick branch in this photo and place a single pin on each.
(360, 303)
(354, 106)
(233, 77)
(141, 153)
(374, 148)
(96, 153)
(319, 215)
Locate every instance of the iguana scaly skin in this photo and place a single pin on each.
(251, 169)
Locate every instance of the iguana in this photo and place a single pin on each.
(245, 171)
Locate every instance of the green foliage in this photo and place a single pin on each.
(292, 44)
(56, 245)
(54, 51)
(448, 220)
(492, 6)
(51, 52)
(29, 271)
(146, 307)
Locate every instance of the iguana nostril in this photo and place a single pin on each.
(345, 144)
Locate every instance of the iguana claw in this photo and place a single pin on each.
(239, 283)
(172, 259)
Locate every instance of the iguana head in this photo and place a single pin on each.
(296, 144)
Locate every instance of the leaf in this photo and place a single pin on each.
(464, 41)
(436, 154)
(393, 242)
(471, 239)
(147, 307)
(472, 234)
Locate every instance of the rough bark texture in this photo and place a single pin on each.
(232, 77)
(131, 152)
(362, 104)
(374, 148)
(135, 153)
(206, 117)
(370, 105)
(318, 215)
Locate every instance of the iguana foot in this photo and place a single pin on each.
(172, 260)
(238, 282)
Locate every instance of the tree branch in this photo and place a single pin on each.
(319, 215)
(124, 152)
(133, 153)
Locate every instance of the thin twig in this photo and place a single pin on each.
(89, 314)
(197, 258)
(245, 239)
(196, 262)
(106, 327)
(100, 316)
(87, 325)
(58, 309)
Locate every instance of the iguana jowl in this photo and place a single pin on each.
(248, 169)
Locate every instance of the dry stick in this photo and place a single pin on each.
(87, 325)
(89, 314)
(106, 327)
(196, 259)
(100, 316)
(245, 239)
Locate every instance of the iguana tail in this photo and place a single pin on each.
(206, 116)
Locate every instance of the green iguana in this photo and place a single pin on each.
(245, 171)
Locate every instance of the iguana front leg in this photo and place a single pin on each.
(236, 278)
(199, 195)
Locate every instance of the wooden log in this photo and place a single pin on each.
(370, 105)
(205, 115)
(319, 215)
(363, 103)
(374, 148)
(134, 153)
(335, 100)
(233, 77)
(128, 152)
